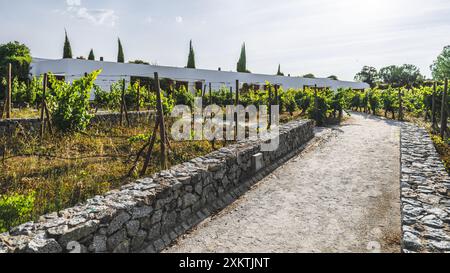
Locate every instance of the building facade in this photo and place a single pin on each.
(193, 79)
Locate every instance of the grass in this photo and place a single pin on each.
(67, 169)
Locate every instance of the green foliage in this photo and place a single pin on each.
(368, 75)
(303, 99)
(120, 54)
(15, 209)
(167, 102)
(374, 100)
(309, 76)
(183, 97)
(242, 63)
(191, 58)
(69, 103)
(67, 52)
(279, 73)
(319, 108)
(23, 94)
(399, 76)
(333, 77)
(288, 101)
(441, 66)
(20, 58)
(91, 55)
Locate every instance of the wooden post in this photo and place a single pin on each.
(237, 93)
(43, 106)
(138, 97)
(433, 106)
(444, 115)
(123, 106)
(8, 98)
(277, 102)
(400, 105)
(270, 107)
(162, 127)
(210, 93)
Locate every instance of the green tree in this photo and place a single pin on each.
(368, 75)
(279, 73)
(309, 76)
(138, 62)
(20, 58)
(333, 77)
(399, 76)
(67, 54)
(441, 66)
(242, 63)
(191, 58)
(91, 55)
(120, 55)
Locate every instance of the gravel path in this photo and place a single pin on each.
(341, 196)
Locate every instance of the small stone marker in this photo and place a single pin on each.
(257, 162)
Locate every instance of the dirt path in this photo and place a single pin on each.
(342, 196)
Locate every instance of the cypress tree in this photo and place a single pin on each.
(91, 55)
(242, 63)
(279, 73)
(120, 55)
(191, 58)
(67, 54)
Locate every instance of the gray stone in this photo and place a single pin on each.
(133, 227)
(138, 240)
(189, 199)
(123, 247)
(39, 245)
(79, 232)
(116, 239)
(411, 241)
(141, 212)
(118, 222)
(99, 244)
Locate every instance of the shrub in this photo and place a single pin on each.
(15, 209)
(69, 103)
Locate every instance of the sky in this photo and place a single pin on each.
(323, 37)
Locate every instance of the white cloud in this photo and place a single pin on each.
(107, 17)
(179, 19)
(149, 20)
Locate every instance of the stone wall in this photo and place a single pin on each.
(425, 194)
(148, 215)
(32, 125)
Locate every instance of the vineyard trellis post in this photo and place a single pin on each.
(433, 106)
(123, 106)
(400, 105)
(162, 129)
(236, 103)
(210, 94)
(138, 108)
(45, 116)
(270, 107)
(444, 114)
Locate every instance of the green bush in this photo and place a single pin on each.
(69, 103)
(15, 209)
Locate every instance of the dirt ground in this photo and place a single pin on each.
(340, 196)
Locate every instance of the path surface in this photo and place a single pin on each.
(342, 196)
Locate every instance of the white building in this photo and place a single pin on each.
(71, 69)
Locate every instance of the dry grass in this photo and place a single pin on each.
(70, 168)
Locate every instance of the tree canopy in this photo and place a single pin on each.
(120, 55)
(279, 73)
(91, 55)
(191, 57)
(333, 77)
(309, 76)
(368, 75)
(20, 58)
(67, 52)
(138, 62)
(398, 76)
(441, 66)
(242, 63)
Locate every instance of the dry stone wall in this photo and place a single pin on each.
(148, 215)
(425, 194)
(33, 125)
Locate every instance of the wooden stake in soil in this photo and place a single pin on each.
(236, 103)
(162, 127)
(8, 97)
(138, 108)
(433, 107)
(123, 106)
(45, 120)
(210, 94)
(400, 105)
(444, 114)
